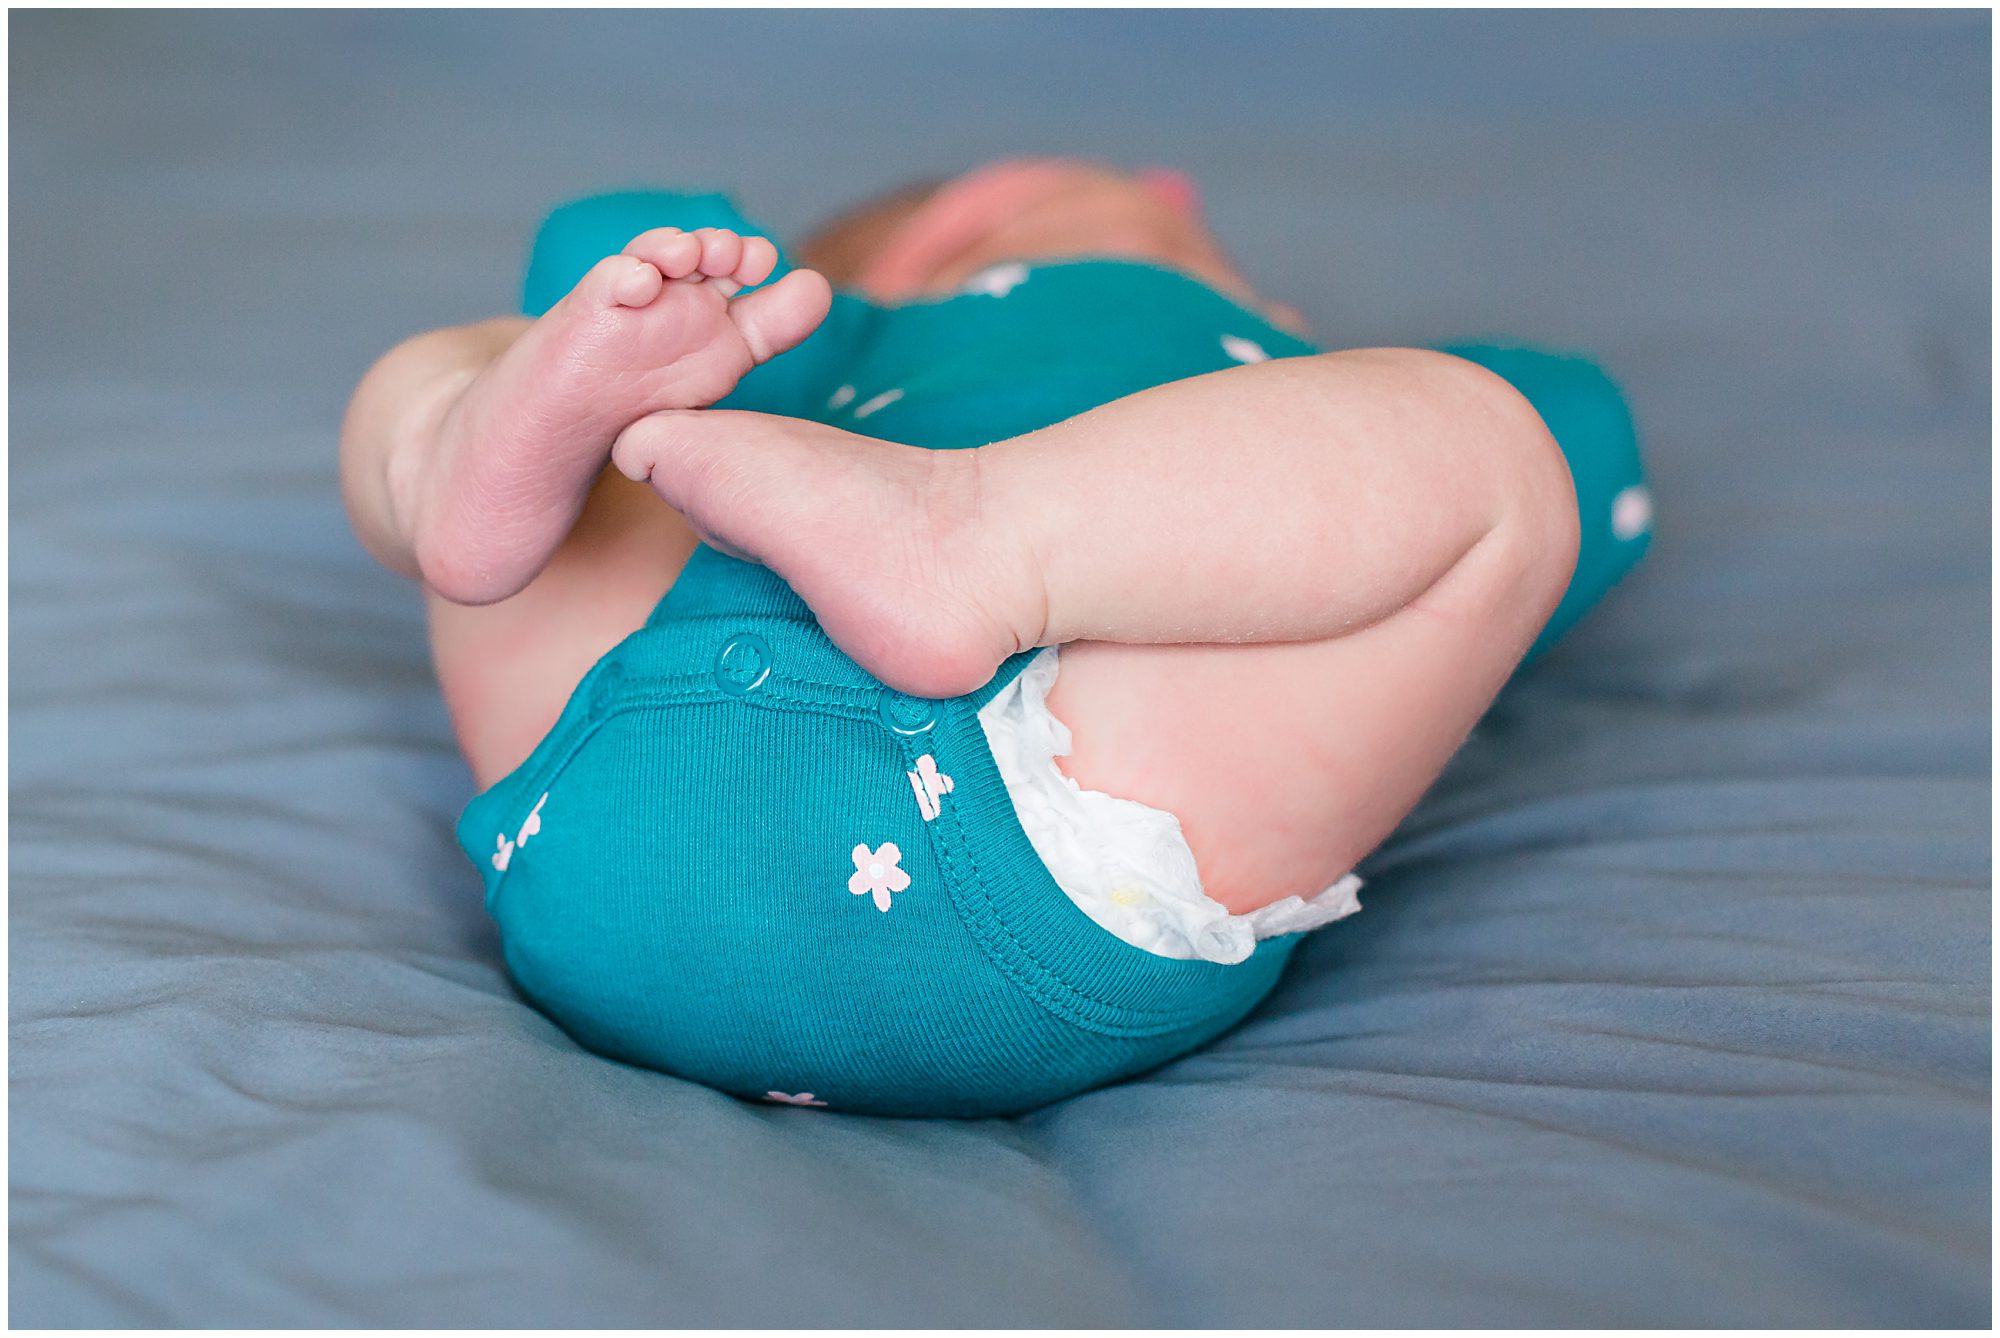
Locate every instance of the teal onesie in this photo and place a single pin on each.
(731, 859)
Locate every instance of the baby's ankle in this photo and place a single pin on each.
(911, 562)
(961, 588)
(1006, 545)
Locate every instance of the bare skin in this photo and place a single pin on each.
(1284, 653)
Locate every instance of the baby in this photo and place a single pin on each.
(746, 582)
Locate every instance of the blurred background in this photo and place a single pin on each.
(1670, 1004)
(1409, 176)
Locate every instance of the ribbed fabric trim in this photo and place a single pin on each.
(1025, 924)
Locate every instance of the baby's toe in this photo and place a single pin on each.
(673, 252)
(760, 257)
(621, 281)
(639, 286)
(721, 251)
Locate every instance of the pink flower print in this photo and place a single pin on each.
(997, 280)
(802, 1099)
(1244, 350)
(931, 786)
(533, 825)
(875, 871)
(503, 852)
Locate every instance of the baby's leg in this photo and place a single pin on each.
(1362, 545)
(469, 455)
(1286, 762)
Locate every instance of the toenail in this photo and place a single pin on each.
(743, 664)
(904, 714)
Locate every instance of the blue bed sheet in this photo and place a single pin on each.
(1670, 1005)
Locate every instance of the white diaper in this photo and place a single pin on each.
(1126, 865)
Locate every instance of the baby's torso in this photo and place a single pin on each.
(1025, 345)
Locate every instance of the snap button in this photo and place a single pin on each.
(904, 714)
(743, 664)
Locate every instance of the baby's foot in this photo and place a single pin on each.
(904, 567)
(658, 326)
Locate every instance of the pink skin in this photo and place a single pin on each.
(902, 567)
(658, 326)
(1089, 530)
(1021, 209)
(1284, 660)
(1283, 654)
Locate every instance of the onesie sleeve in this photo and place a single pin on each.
(578, 234)
(1590, 421)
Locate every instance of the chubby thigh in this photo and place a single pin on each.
(1286, 763)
